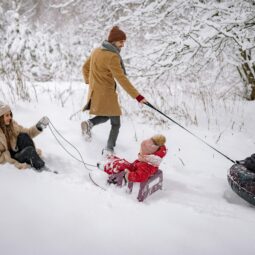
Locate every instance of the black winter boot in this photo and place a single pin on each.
(29, 155)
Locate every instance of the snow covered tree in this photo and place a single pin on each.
(196, 37)
(206, 42)
(12, 52)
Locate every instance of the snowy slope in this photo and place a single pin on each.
(196, 213)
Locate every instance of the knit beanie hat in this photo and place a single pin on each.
(159, 140)
(148, 147)
(116, 35)
(4, 108)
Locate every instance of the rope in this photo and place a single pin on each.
(154, 108)
(82, 160)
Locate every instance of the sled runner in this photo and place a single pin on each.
(242, 182)
(153, 184)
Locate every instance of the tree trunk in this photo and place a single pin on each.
(253, 90)
(247, 74)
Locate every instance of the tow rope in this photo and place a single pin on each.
(200, 139)
(81, 160)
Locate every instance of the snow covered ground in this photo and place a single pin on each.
(196, 213)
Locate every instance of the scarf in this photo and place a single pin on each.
(110, 47)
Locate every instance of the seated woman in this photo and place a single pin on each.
(151, 153)
(16, 144)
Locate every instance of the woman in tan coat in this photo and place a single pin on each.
(100, 71)
(16, 144)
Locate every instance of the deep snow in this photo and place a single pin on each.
(196, 213)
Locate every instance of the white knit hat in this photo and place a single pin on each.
(4, 108)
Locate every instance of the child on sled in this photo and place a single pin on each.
(152, 151)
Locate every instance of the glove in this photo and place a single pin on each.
(42, 123)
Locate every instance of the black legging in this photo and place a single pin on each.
(26, 152)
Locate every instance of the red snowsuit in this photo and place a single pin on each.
(140, 170)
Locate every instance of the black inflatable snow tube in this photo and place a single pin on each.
(242, 181)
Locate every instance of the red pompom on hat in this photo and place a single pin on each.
(116, 35)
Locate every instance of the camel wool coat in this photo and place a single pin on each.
(5, 156)
(100, 71)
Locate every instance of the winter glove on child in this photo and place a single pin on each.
(42, 123)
